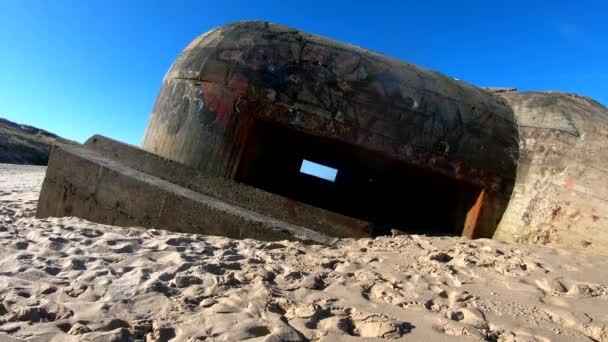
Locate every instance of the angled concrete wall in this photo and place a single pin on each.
(238, 194)
(81, 183)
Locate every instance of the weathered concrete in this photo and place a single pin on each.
(561, 194)
(236, 74)
(238, 194)
(80, 182)
(250, 101)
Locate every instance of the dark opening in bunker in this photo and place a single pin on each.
(367, 185)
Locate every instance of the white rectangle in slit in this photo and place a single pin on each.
(318, 170)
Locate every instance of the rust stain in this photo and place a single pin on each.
(473, 217)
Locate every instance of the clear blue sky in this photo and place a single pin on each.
(89, 66)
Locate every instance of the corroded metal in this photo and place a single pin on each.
(473, 217)
(249, 71)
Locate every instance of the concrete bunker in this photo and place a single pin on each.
(246, 107)
(411, 149)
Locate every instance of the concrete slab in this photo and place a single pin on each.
(238, 194)
(80, 182)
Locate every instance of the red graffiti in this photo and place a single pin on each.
(219, 100)
(569, 184)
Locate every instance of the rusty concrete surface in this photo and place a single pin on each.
(238, 194)
(80, 182)
(247, 71)
(561, 194)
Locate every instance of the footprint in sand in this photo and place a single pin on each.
(551, 286)
(326, 317)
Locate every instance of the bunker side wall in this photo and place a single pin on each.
(561, 193)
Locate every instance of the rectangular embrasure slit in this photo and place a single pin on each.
(318, 170)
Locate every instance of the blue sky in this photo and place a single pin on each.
(82, 67)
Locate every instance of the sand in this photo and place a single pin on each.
(67, 279)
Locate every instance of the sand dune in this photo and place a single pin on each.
(23, 144)
(67, 279)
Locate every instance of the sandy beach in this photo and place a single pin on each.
(67, 279)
